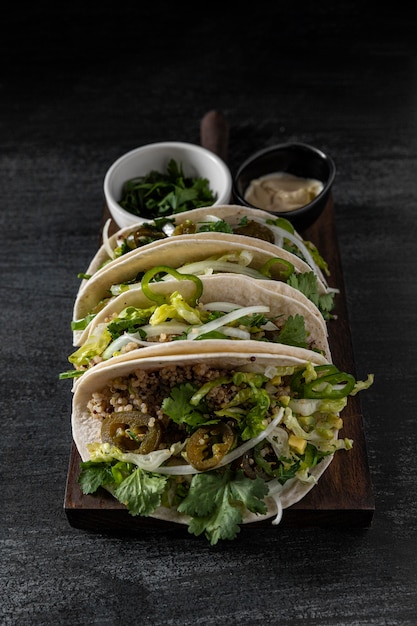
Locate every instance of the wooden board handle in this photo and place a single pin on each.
(214, 133)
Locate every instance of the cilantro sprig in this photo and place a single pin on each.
(307, 284)
(165, 193)
(214, 503)
(140, 491)
(179, 408)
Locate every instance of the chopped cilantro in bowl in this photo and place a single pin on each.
(158, 194)
(164, 178)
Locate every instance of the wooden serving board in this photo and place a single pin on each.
(343, 496)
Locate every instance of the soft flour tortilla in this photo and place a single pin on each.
(282, 300)
(176, 252)
(86, 429)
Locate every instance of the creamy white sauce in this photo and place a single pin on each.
(280, 191)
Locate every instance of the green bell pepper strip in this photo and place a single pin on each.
(322, 370)
(160, 299)
(286, 269)
(283, 223)
(323, 387)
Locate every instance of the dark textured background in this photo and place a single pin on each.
(79, 86)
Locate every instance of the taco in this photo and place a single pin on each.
(199, 254)
(191, 308)
(211, 440)
(227, 219)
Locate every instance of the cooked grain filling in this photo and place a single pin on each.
(144, 390)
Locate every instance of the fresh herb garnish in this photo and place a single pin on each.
(214, 502)
(307, 284)
(177, 406)
(158, 194)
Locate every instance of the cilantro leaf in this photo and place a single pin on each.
(250, 492)
(94, 475)
(307, 284)
(224, 522)
(214, 502)
(218, 227)
(129, 320)
(202, 495)
(326, 304)
(293, 332)
(178, 407)
(252, 321)
(141, 492)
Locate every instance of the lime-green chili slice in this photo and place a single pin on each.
(331, 387)
(296, 383)
(165, 269)
(283, 223)
(282, 268)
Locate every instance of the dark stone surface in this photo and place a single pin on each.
(79, 86)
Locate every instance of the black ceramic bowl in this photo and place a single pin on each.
(299, 159)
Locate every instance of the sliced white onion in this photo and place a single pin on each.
(116, 290)
(106, 242)
(269, 326)
(226, 319)
(116, 346)
(295, 239)
(278, 502)
(168, 228)
(208, 267)
(224, 307)
(149, 462)
(136, 338)
(243, 257)
(180, 470)
(237, 333)
(211, 218)
(279, 442)
(168, 328)
(124, 340)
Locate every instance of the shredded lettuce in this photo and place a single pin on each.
(362, 384)
(95, 344)
(106, 452)
(176, 308)
(300, 432)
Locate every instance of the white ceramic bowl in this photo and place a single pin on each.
(196, 161)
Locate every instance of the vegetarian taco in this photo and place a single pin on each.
(225, 219)
(199, 254)
(191, 308)
(211, 440)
